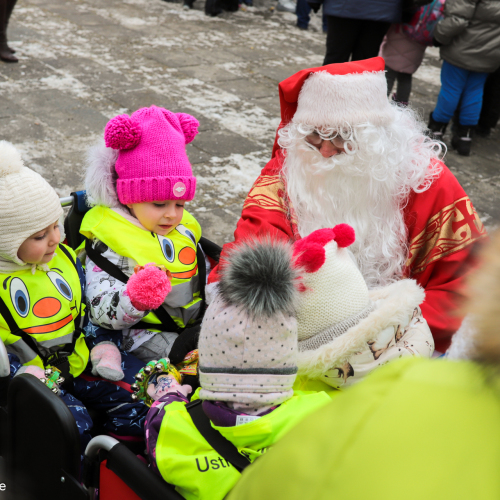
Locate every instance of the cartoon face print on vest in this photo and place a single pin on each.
(43, 311)
(180, 251)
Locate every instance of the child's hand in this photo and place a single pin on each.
(164, 384)
(148, 287)
(50, 377)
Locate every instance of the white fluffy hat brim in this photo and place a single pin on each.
(327, 100)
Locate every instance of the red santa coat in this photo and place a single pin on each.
(443, 226)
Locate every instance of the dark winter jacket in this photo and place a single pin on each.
(371, 10)
(470, 34)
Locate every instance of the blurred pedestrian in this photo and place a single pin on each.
(303, 12)
(490, 112)
(6, 8)
(469, 37)
(404, 46)
(356, 27)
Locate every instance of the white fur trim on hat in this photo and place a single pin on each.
(28, 204)
(327, 100)
(394, 305)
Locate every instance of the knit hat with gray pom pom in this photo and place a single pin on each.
(28, 204)
(248, 339)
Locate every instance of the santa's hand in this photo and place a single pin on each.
(148, 288)
(164, 384)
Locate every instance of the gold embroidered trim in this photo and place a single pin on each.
(267, 193)
(447, 232)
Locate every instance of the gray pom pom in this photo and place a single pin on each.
(259, 275)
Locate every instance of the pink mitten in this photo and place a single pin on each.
(148, 288)
(107, 361)
(167, 383)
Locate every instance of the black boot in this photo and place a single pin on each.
(437, 129)
(6, 8)
(213, 8)
(462, 139)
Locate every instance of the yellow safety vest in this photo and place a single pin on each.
(176, 251)
(197, 471)
(45, 306)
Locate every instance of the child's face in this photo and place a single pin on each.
(39, 248)
(160, 217)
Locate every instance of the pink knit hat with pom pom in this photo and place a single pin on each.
(152, 163)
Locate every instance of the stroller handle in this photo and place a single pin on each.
(67, 201)
(4, 361)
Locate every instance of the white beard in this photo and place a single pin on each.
(367, 187)
(348, 189)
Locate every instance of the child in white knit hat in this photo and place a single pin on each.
(248, 364)
(41, 299)
(344, 330)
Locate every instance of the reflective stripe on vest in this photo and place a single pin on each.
(44, 305)
(186, 460)
(176, 251)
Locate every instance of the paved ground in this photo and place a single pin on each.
(84, 61)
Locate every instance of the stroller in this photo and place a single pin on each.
(39, 440)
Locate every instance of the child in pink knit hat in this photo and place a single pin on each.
(142, 268)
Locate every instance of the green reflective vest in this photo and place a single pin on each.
(44, 305)
(176, 251)
(305, 385)
(415, 429)
(186, 460)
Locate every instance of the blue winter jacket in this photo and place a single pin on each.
(370, 10)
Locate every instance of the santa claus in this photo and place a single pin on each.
(345, 154)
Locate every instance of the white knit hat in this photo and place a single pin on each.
(336, 296)
(248, 339)
(28, 204)
(345, 94)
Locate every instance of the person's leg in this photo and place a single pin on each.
(124, 417)
(390, 76)
(470, 109)
(370, 37)
(453, 81)
(404, 88)
(303, 11)
(490, 111)
(341, 38)
(6, 8)
(10, 7)
(324, 20)
(82, 419)
(472, 99)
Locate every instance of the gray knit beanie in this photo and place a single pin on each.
(28, 204)
(248, 340)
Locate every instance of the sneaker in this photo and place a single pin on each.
(286, 6)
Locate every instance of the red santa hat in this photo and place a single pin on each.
(336, 94)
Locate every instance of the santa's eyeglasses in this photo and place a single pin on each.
(316, 138)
